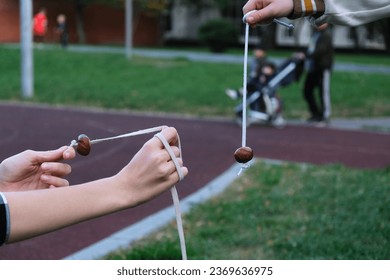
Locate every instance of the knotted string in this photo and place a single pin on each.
(244, 93)
(244, 86)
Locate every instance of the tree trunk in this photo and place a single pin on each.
(385, 25)
(80, 21)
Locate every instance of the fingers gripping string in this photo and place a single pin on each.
(289, 26)
(175, 196)
(171, 154)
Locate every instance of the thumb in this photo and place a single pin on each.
(51, 155)
(262, 16)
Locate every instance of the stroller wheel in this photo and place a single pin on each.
(278, 121)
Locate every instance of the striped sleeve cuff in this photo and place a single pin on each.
(303, 8)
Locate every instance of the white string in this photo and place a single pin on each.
(139, 132)
(244, 86)
(179, 223)
(244, 93)
(175, 196)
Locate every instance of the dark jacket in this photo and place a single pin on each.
(320, 56)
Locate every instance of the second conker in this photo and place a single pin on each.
(243, 154)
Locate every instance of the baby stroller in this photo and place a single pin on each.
(265, 106)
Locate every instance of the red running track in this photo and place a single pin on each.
(208, 147)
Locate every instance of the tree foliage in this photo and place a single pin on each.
(156, 6)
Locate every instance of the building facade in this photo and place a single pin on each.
(177, 22)
(185, 23)
(101, 24)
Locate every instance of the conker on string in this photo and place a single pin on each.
(243, 154)
(83, 145)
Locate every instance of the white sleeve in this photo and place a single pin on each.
(353, 12)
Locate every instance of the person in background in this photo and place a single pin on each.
(40, 26)
(319, 62)
(259, 60)
(62, 30)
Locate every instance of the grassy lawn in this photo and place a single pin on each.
(180, 86)
(282, 212)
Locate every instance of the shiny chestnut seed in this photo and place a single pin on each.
(83, 145)
(243, 154)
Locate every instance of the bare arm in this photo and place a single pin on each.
(148, 174)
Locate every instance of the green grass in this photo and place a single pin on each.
(179, 85)
(352, 95)
(340, 56)
(287, 211)
(110, 81)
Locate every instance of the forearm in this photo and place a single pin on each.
(341, 12)
(38, 212)
(353, 13)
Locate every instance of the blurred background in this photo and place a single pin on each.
(157, 23)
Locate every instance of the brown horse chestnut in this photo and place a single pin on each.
(243, 154)
(83, 145)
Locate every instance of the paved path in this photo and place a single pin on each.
(218, 57)
(208, 147)
(205, 56)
